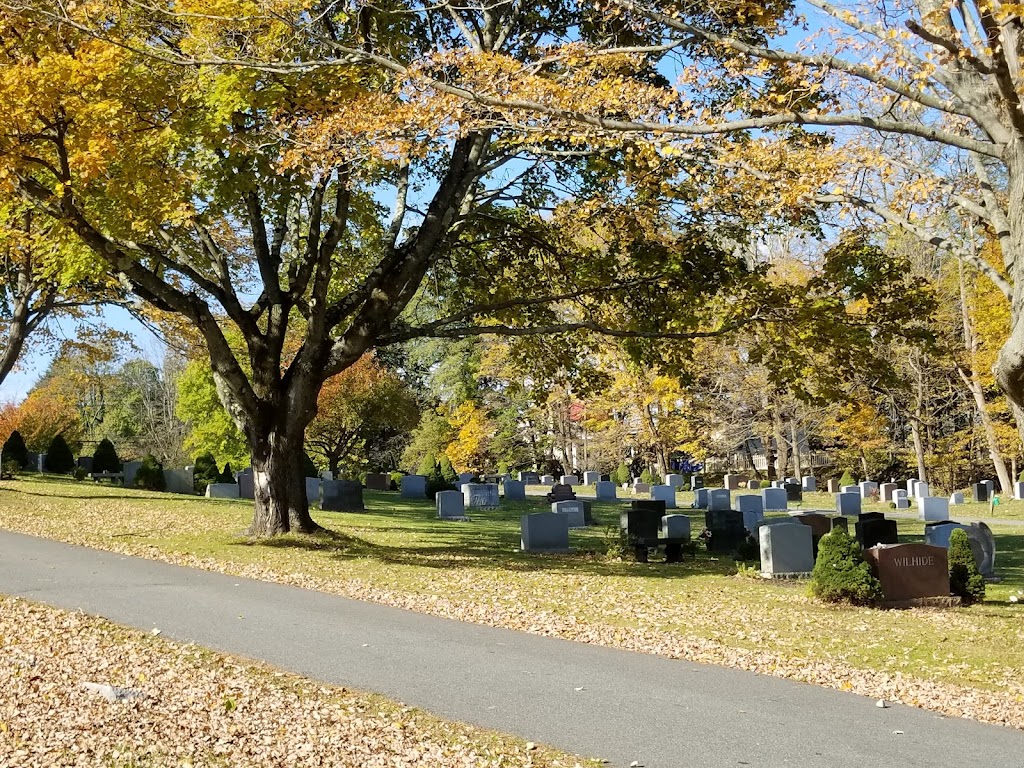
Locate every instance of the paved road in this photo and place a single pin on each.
(593, 701)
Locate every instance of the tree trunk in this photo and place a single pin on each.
(781, 447)
(279, 483)
(797, 466)
(1009, 368)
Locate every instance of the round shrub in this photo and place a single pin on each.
(59, 459)
(150, 476)
(436, 482)
(104, 458)
(646, 477)
(447, 470)
(227, 476)
(622, 476)
(841, 574)
(964, 578)
(15, 450)
(205, 472)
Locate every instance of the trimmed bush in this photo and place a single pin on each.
(205, 472)
(309, 467)
(622, 476)
(447, 470)
(15, 450)
(150, 476)
(846, 479)
(964, 578)
(396, 480)
(228, 475)
(59, 459)
(647, 477)
(104, 458)
(841, 574)
(436, 482)
(426, 466)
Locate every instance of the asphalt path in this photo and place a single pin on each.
(585, 699)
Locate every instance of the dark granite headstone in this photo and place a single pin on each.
(606, 478)
(85, 462)
(833, 485)
(910, 571)
(530, 478)
(588, 513)
(643, 519)
(726, 528)
(378, 482)
(341, 496)
(873, 528)
(980, 492)
(794, 492)
(839, 522)
(561, 492)
(696, 482)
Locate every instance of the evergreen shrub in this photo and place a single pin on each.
(841, 574)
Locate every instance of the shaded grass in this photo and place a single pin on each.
(398, 552)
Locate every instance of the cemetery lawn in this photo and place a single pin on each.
(202, 708)
(962, 662)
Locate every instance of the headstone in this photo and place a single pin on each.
(921, 491)
(937, 534)
(605, 490)
(956, 499)
(910, 486)
(561, 492)
(753, 485)
(639, 488)
(848, 503)
(696, 481)
(530, 478)
(726, 528)
(344, 495)
(246, 487)
(41, 462)
(313, 490)
(991, 487)
(480, 495)
(591, 478)
(675, 527)
(466, 477)
(910, 571)
(676, 481)
(665, 493)
(934, 508)
(850, 489)
(222, 491)
(983, 544)
(180, 480)
(786, 550)
(569, 480)
(901, 500)
(32, 462)
(414, 487)
(868, 489)
(700, 498)
(130, 469)
(719, 499)
(875, 528)
(886, 491)
(771, 521)
(752, 509)
(85, 462)
(544, 532)
(605, 478)
(642, 521)
(839, 522)
(451, 505)
(547, 480)
(573, 510)
(793, 492)
(515, 490)
(378, 482)
(775, 499)
(833, 485)
(809, 483)
(1018, 491)
(820, 525)
(980, 492)
(733, 482)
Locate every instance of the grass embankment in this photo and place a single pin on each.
(205, 709)
(961, 662)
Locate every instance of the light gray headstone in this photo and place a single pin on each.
(938, 535)
(867, 488)
(921, 490)
(591, 478)
(605, 489)
(934, 508)
(848, 503)
(850, 489)
(767, 521)
(775, 499)
(313, 490)
(983, 544)
(544, 532)
(778, 483)
(515, 490)
(809, 483)
(569, 480)
(733, 482)
(664, 493)
(719, 499)
(700, 498)
(342, 495)
(910, 486)
(752, 507)
(180, 480)
(222, 491)
(786, 550)
(956, 499)
(450, 505)
(41, 462)
(641, 488)
(574, 511)
(480, 495)
(675, 527)
(327, 475)
(902, 502)
(547, 480)
(414, 487)
(886, 491)
(676, 481)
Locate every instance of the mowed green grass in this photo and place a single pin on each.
(398, 552)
